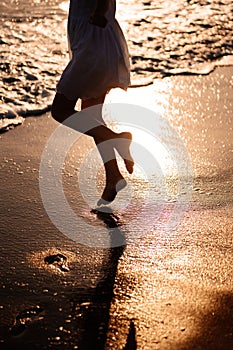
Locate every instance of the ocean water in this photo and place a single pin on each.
(164, 37)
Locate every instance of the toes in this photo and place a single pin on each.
(108, 196)
(126, 135)
(129, 166)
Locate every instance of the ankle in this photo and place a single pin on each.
(114, 178)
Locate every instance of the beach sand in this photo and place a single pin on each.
(166, 290)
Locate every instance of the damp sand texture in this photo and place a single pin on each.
(163, 291)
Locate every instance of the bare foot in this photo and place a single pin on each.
(111, 191)
(122, 146)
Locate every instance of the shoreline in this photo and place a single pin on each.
(164, 39)
(12, 118)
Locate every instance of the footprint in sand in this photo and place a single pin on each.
(59, 261)
(25, 318)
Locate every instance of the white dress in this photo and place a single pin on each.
(99, 56)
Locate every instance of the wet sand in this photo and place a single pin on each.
(164, 291)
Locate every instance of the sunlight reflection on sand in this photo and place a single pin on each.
(155, 98)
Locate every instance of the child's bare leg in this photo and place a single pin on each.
(114, 180)
(121, 141)
(62, 108)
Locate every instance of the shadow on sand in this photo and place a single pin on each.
(95, 320)
(38, 321)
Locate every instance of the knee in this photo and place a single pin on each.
(62, 108)
(58, 113)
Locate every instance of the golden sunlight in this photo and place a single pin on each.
(146, 148)
(159, 161)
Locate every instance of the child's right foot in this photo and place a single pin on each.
(122, 146)
(111, 191)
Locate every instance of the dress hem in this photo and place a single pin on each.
(59, 91)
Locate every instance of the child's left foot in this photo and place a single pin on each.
(111, 191)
